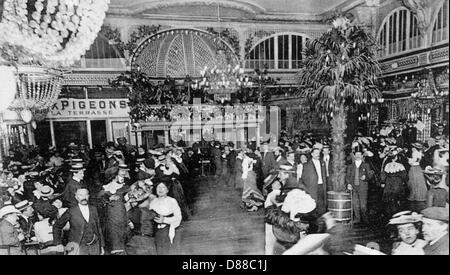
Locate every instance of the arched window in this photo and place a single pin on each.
(282, 51)
(399, 32)
(440, 29)
(103, 54)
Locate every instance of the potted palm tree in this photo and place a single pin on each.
(340, 72)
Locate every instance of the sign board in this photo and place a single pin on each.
(91, 108)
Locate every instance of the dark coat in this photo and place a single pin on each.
(310, 179)
(269, 163)
(364, 170)
(116, 223)
(438, 248)
(231, 160)
(27, 226)
(77, 225)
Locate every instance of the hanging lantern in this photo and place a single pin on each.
(8, 86)
(26, 115)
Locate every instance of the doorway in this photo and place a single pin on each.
(98, 130)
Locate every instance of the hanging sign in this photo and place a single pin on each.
(89, 108)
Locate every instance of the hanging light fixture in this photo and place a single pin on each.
(39, 38)
(224, 78)
(53, 33)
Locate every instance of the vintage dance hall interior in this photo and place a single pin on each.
(224, 127)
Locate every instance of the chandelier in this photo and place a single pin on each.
(224, 78)
(37, 39)
(53, 33)
(37, 90)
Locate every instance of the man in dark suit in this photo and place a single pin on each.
(85, 230)
(435, 230)
(269, 164)
(356, 178)
(74, 183)
(231, 162)
(217, 158)
(314, 180)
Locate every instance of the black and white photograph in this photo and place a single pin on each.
(224, 127)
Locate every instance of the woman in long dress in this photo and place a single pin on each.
(168, 219)
(116, 214)
(394, 177)
(251, 196)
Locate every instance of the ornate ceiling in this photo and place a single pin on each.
(252, 8)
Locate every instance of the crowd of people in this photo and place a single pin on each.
(119, 199)
(387, 173)
(111, 200)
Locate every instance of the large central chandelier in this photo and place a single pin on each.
(37, 39)
(224, 78)
(53, 33)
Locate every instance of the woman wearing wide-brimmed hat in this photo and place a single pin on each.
(408, 230)
(168, 219)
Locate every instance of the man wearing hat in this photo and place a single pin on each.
(435, 230)
(10, 236)
(74, 183)
(27, 218)
(44, 205)
(357, 179)
(142, 173)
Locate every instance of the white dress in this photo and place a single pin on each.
(410, 249)
(166, 207)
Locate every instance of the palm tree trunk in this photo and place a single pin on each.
(338, 125)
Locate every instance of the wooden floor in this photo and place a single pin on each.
(218, 225)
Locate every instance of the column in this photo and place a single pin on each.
(89, 133)
(166, 137)
(109, 135)
(31, 140)
(52, 133)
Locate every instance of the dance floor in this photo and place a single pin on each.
(218, 225)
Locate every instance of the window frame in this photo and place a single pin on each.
(251, 61)
(392, 45)
(441, 31)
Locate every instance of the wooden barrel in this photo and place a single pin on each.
(340, 205)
